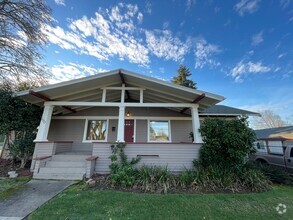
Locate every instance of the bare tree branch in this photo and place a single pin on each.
(22, 39)
(268, 119)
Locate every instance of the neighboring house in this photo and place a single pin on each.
(83, 117)
(273, 140)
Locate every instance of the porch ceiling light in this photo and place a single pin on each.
(128, 114)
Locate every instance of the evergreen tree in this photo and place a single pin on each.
(181, 79)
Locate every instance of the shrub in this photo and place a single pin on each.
(222, 165)
(122, 171)
(226, 143)
(22, 147)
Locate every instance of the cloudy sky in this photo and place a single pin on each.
(240, 49)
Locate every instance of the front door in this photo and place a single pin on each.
(128, 130)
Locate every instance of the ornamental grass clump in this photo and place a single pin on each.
(156, 179)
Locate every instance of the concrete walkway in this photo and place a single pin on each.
(34, 194)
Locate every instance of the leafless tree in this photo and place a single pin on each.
(22, 39)
(268, 119)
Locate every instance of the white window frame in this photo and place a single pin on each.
(85, 130)
(169, 131)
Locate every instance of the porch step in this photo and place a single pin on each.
(58, 164)
(59, 176)
(65, 170)
(63, 167)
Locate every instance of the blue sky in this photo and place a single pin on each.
(240, 49)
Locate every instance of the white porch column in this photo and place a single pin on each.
(195, 124)
(120, 131)
(141, 96)
(45, 123)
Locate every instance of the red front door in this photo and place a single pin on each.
(128, 130)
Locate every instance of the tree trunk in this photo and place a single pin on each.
(23, 162)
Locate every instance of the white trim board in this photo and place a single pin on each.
(116, 117)
(120, 104)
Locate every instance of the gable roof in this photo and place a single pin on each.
(89, 89)
(282, 132)
(227, 111)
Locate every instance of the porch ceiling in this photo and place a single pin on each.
(89, 89)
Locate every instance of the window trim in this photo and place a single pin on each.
(169, 131)
(85, 130)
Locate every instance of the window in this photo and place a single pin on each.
(260, 145)
(159, 131)
(96, 130)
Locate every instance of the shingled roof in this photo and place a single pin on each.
(285, 132)
(226, 110)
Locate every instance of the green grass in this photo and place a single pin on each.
(9, 186)
(78, 203)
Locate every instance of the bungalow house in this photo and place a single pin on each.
(83, 117)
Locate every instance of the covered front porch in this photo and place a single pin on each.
(157, 139)
(82, 118)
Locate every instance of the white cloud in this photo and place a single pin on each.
(246, 68)
(58, 36)
(148, 7)
(246, 6)
(166, 25)
(282, 55)
(111, 31)
(281, 107)
(114, 33)
(139, 17)
(164, 45)
(257, 38)
(60, 2)
(277, 69)
(63, 72)
(204, 52)
(285, 3)
(190, 3)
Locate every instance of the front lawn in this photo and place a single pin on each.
(9, 186)
(79, 203)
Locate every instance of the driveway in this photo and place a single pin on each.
(34, 194)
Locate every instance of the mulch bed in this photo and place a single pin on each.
(10, 165)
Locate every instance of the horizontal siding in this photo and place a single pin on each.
(103, 151)
(97, 111)
(44, 149)
(141, 130)
(69, 130)
(63, 147)
(176, 156)
(79, 146)
(112, 135)
(66, 130)
(180, 131)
